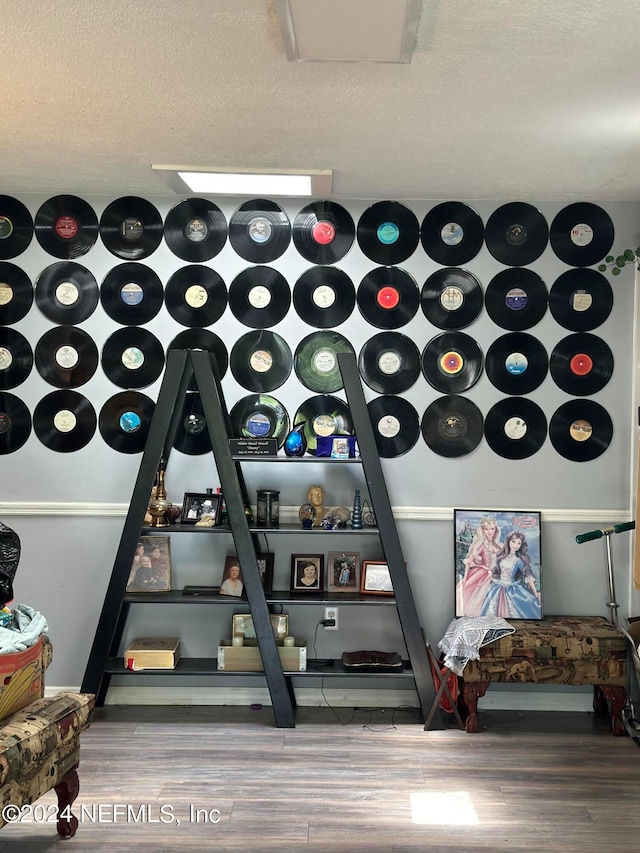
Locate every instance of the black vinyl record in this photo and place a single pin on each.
(581, 234)
(131, 228)
(581, 299)
(206, 340)
(261, 361)
(452, 233)
(195, 229)
(324, 297)
(132, 357)
(66, 357)
(67, 292)
(16, 358)
(15, 423)
(516, 234)
(124, 421)
(315, 361)
(16, 294)
(581, 430)
(196, 296)
(395, 423)
(260, 231)
(259, 416)
(452, 362)
(515, 428)
(66, 226)
(452, 426)
(131, 294)
(192, 436)
(323, 416)
(259, 297)
(389, 362)
(16, 227)
(581, 364)
(516, 363)
(64, 421)
(388, 297)
(451, 298)
(323, 232)
(516, 299)
(388, 232)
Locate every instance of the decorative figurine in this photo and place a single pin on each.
(356, 513)
(295, 444)
(315, 496)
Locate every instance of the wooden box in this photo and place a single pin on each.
(247, 658)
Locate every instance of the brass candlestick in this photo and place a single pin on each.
(158, 507)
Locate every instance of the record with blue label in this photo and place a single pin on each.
(451, 298)
(581, 364)
(395, 424)
(195, 229)
(259, 297)
(259, 416)
(452, 233)
(16, 294)
(16, 358)
(132, 294)
(131, 228)
(260, 231)
(452, 426)
(67, 292)
(515, 428)
(516, 234)
(323, 232)
(64, 421)
(196, 296)
(582, 234)
(15, 423)
(315, 361)
(388, 232)
(388, 297)
(516, 363)
(581, 299)
(452, 362)
(261, 361)
(324, 297)
(132, 357)
(323, 416)
(66, 356)
(124, 421)
(516, 299)
(389, 363)
(66, 226)
(16, 227)
(581, 430)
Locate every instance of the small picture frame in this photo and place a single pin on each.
(195, 505)
(265, 567)
(307, 572)
(343, 571)
(232, 582)
(375, 578)
(151, 566)
(243, 625)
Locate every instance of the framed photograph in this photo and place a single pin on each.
(307, 572)
(232, 582)
(265, 567)
(151, 567)
(343, 572)
(376, 578)
(243, 625)
(498, 570)
(195, 505)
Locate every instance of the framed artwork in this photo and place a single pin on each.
(151, 566)
(343, 571)
(498, 570)
(232, 582)
(376, 578)
(243, 625)
(307, 572)
(195, 505)
(265, 567)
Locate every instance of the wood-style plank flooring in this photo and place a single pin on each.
(374, 782)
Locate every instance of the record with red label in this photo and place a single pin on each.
(131, 228)
(516, 234)
(581, 234)
(259, 297)
(316, 361)
(388, 297)
(67, 292)
(388, 232)
(581, 364)
(389, 362)
(323, 416)
(261, 361)
(132, 357)
(395, 423)
(260, 231)
(16, 294)
(515, 428)
(195, 229)
(66, 357)
(64, 421)
(196, 296)
(131, 294)
(452, 362)
(16, 358)
(323, 232)
(516, 299)
(452, 426)
(581, 299)
(259, 416)
(451, 298)
(581, 430)
(66, 226)
(16, 227)
(324, 297)
(452, 233)
(124, 421)
(15, 423)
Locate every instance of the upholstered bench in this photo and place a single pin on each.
(554, 650)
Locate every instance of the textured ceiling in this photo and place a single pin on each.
(502, 100)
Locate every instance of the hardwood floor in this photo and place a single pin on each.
(377, 783)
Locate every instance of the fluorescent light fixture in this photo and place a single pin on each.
(349, 30)
(249, 182)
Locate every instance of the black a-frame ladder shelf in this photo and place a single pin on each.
(182, 367)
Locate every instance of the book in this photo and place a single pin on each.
(153, 653)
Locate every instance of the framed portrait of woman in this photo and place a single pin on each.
(307, 572)
(343, 571)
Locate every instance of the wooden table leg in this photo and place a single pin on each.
(472, 691)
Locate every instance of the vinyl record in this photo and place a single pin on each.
(580, 430)
(452, 362)
(16, 227)
(452, 233)
(66, 357)
(515, 428)
(581, 299)
(261, 361)
(260, 231)
(206, 340)
(323, 416)
(259, 297)
(16, 294)
(16, 358)
(131, 294)
(452, 426)
(131, 228)
(516, 234)
(581, 234)
(388, 232)
(388, 297)
(66, 226)
(395, 423)
(451, 298)
(195, 229)
(389, 362)
(516, 363)
(67, 292)
(581, 364)
(132, 357)
(15, 423)
(259, 416)
(124, 421)
(64, 421)
(323, 232)
(324, 297)
(196, 296)
(192, 436)
(516, 299)
(316, 361)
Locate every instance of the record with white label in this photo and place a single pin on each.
(388, 232)
(260, 231)
(131, 228)
(124, 421)
(196, 296)
(206, 340)
(259, 297)
(16, 294)
(388, 297)
(581, 364)
(324, 297)
(15, 423)
(261, 361)
(389, 363)
(195, 229)
(323, 232)
(315, 361)
(67, 292)
(16, 227)
(452, 426)
(395, 423)
(132, 357)
(66, 357)
(581, 430)
(451, 298)
(192, 435)
(515, 428)
(516, 234)
(323, 416)
(259, 416)
(64, 421)
(452, 233)
(581, 299)
(581, 234)
(516, 299)
(452, 362)
(16, 358)
(66, 226)
(131, 294)
(516, 363)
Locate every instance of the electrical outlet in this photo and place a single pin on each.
(331, 613)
